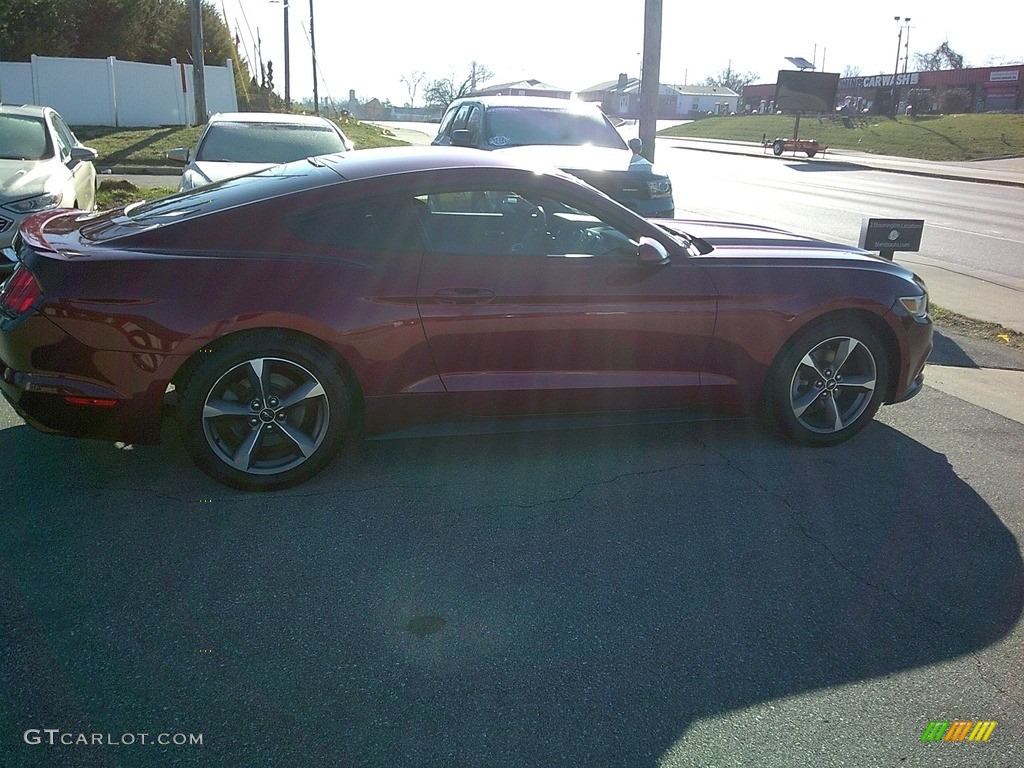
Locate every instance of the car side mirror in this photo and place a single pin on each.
(650, 251)
(83, 154)
(462, 138)
(636, 145)
(178, 155)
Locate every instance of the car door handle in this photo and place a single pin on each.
(463, 295)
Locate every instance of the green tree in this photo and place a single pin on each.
(151, 31)
(33, 26)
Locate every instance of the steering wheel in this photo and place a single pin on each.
(585, 240)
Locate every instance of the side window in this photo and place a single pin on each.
(495, 222)
(386, 224)
(462, 117)
(444, 131)
(475, 124)
(65, 138)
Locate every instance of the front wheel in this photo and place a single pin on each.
(828, 382)
(778, 147)
(264, 412)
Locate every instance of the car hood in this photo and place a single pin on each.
(23, 178)
(735, 240)
(577, 158)
(728, 234)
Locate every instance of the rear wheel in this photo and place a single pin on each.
(828, 382)
(778, 147)
(264, 412)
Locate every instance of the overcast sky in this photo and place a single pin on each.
(572, 44)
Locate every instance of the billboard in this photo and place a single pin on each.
(806, 91)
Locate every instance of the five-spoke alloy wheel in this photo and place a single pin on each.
(828, 382)
(260, 414)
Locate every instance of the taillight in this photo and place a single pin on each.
(20, 292)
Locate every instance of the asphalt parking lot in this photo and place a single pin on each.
(661, 594)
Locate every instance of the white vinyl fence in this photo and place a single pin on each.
(111, 92)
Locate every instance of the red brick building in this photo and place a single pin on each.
(988, 89)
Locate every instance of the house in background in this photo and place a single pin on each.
(524, 88)
(621, 98)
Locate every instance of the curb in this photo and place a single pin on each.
(127, 170)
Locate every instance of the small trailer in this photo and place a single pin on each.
(795, 144)
(778, 146)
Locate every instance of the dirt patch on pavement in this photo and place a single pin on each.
(979, 329)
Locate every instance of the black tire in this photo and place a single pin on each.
(817, 402)
(265, 411)
(778, 147)
(812, 152)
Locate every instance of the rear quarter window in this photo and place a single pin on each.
(230, 193)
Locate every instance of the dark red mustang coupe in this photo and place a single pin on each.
(385, 288)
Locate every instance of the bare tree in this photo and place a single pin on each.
(942, 57)
(443, 91)
(478, 75)
(412, 83)
(999, 61)
(851, 71)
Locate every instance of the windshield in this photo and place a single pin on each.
(514, 126)
(23, 138)
(267, 142)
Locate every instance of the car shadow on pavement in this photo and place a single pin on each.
(551, 598)
(947, 352)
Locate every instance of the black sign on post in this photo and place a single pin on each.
(890, 235)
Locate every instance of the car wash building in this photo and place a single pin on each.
(984, 89)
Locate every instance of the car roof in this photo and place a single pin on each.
(385, 161)
(267, 117)
(24, 110)
(538, 102)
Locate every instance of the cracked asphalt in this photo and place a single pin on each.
(668, 594)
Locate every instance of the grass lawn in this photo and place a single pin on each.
(147, 147)
(942, 137)
(115, 194)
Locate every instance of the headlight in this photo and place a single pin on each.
(917, 306)
(34, 204)
(659, 188)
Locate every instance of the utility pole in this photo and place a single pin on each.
(198, 62)
(312, 45)
(287, 63)
(650, 78)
